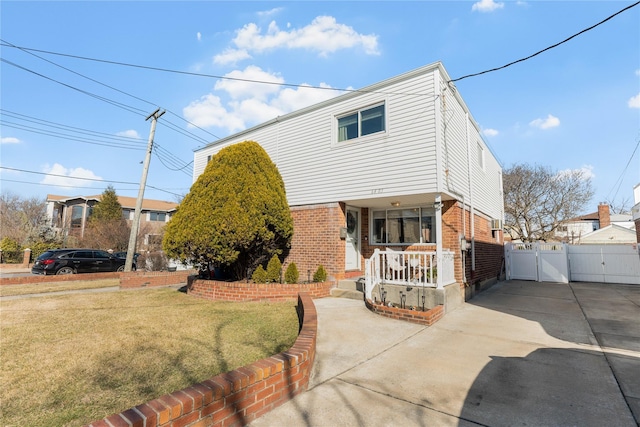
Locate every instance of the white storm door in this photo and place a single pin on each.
(352, 241)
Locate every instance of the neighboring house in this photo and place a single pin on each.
(68, 215)
(635, 211)
(575, 229)
(400, 164)
(612, 234)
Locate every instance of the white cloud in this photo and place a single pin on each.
(323, 35)
(252, 103)
(634, 101)
(231, 56)
(245, 85)
(129, 134)
(199, 36)
(638, 72)
(271, 12)
(487, 6)
(490, 132)
(585, 170)
(208, 111)
(548, 123)
(61, 176)
(9, 140)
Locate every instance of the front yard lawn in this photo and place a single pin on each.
(69, 360)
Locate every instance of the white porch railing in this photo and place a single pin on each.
(410, 268)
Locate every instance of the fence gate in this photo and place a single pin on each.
(542, 262)
(605, 263)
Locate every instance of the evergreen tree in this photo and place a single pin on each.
(236, 215)
(107, 228)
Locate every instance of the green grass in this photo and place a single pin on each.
(46, 287)
(69, 360)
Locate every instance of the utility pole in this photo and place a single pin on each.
(143, 182)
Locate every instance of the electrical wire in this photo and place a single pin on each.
(213, 76)
(621, 178)
(186, 133)
(85, 179)
(547, 48)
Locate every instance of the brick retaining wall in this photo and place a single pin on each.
(427, 318)
(241, 291)
(238, 397)
(141, 279)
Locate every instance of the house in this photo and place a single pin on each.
(635, 211)
(612, 234)
(575, 229)
(398, 167)
(68, 215)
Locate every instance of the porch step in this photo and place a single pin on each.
(351, 289)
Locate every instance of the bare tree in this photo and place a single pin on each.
(107, 228)
(23, 219)
(537, 200)
(622, 207)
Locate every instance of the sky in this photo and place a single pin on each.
(78, 81)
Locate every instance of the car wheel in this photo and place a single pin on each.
(66, 270)
(120, 269)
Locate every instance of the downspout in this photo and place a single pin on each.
(471, 209)
(439, 185)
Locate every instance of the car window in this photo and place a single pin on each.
(101, 254)
(47, 254)
(83, 254)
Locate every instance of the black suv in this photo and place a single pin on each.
(72, 261)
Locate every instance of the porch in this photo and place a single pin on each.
(408, 279)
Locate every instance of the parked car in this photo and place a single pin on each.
(124, 255)
(72, 261)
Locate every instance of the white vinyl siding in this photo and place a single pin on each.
(401, 160)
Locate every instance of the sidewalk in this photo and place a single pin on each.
(520, 353)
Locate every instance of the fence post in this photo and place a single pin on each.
(26, 257)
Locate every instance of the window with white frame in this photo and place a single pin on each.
(403, 226)
(361, 123)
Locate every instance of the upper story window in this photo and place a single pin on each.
(126, 213)
(361, 123)
(157, 216)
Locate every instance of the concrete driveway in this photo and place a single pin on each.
(520, 353)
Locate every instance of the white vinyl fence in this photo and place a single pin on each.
(557, 262)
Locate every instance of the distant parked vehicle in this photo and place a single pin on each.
(124, 255)
(73, 261)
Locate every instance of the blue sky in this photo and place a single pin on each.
(576, 106)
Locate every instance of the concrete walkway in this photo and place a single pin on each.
(520, 353)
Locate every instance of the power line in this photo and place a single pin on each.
(621, 178)
(548, 48)
(186, 133)
(213, 76)
(85, 179)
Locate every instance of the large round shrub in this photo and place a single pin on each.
(236, 215)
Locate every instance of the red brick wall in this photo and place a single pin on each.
(142, 279)
(36, 278)
(241, 291)
(638, 230)
(316, 240)
(238, 397)
(428, 317)
(489, 245)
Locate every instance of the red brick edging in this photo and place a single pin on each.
(241, 291)
(237, 397)
(428, 317)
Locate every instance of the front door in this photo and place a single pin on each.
(352, 240)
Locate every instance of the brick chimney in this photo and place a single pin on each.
(603, 215)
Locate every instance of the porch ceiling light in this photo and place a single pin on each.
(395, 204)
